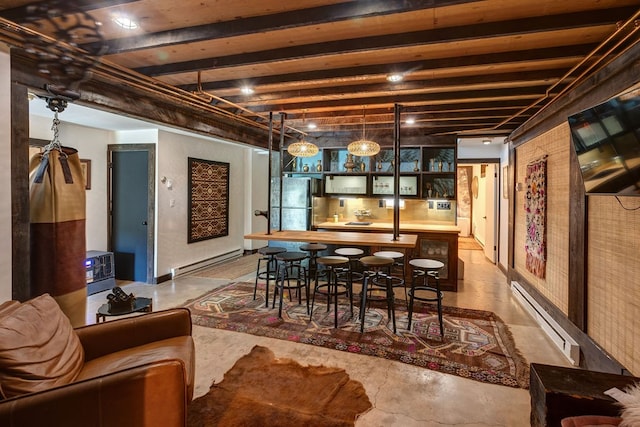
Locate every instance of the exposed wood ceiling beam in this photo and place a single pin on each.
(547, 54)
(373, 43)
(278, 21)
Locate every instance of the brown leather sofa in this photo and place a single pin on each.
(137, 371)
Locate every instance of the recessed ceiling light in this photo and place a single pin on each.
(125, 22)
(395, 78)
(246, 90)
(312, 126)
(486, 141)
(410, 121)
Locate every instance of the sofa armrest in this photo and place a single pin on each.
(147, 395)
(109, 337)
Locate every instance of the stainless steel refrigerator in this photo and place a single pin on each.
(296, 205)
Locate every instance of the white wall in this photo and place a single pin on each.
(172, 248)
(491, 151)
(91, 145)
(5, 175)
(503, 223)
(256, 186)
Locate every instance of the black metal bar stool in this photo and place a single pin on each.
(427, 270)
(269, 256)
(290, 268)
(313, 249)
(397, 271)
(377, 274)
(332, 287)
(353, 254)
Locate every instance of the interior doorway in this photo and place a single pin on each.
(131, 193)
(483, 178)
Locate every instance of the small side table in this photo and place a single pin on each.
(558, 392)
(142, 305)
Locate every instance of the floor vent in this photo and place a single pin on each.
(558, 335)
(190, 268)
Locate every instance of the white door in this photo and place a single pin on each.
(490, 212)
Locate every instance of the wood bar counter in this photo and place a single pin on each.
(438, 242)
(339, 238)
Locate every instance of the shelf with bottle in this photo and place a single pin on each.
(439, 159)
(409, 161)
(337, 160)
(438, 186)
(302, 164)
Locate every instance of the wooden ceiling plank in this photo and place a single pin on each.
(426, 38)
(484, 81)
(532, 55)
(277, 21)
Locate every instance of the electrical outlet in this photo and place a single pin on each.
(443, 206)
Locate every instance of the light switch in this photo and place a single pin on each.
(172, 202)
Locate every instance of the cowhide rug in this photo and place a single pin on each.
(261, 390)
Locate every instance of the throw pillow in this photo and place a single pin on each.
(631, 407)
(38, 348)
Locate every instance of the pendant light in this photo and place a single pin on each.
(363, 147)
(303, 148)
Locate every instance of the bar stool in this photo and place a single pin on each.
(268, 254)
(353, 254)
(332, 287)
(313, 249)
(398, 263)
(427, 269)
(374, 275)
(290, 267)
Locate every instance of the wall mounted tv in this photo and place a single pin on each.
(607, 141)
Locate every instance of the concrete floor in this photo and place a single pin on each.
(402, 395)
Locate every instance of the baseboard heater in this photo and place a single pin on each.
(190, 268)
(558, 335)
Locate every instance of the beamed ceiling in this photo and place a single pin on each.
(475, 68)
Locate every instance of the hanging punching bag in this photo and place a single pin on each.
(57, 229)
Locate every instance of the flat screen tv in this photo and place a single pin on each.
(606, 138)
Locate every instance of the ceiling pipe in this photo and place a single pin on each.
(633, 22)
(15, 35)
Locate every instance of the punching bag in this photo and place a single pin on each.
(57, 228)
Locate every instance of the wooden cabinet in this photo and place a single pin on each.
(345, 185)
(442, 247)
(425, 172)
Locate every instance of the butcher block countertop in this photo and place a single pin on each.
(339, 237)
(416, 227)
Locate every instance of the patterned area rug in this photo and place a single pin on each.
(477, 344)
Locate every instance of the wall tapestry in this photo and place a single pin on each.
(208, 199)
(535, 206)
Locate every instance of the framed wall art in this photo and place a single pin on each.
(208, 199)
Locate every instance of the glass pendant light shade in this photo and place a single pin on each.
(303, 149)
(363, 147)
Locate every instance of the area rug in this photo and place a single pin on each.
(261, 390)
(477, 344)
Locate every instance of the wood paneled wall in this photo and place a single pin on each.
(613, 277)
(554, 144)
